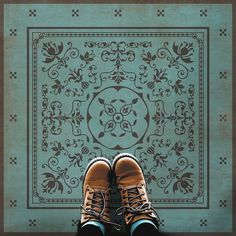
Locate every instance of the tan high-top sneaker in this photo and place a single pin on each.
(96, 193)
(131, 183)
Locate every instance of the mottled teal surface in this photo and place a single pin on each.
(82, 81)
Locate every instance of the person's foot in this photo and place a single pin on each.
(96, 193)
(131, 183)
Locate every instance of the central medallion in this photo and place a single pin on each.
(120, 114)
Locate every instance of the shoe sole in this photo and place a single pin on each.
(119, 156)
(91, 163)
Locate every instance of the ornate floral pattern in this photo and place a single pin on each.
(53, 57)
(104, 95)
(118, 118)
(51, 51)
(124, 120)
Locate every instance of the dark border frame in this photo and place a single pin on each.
(116, 2)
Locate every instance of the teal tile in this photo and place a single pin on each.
(98, 80)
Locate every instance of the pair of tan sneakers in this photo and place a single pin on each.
(131, 184)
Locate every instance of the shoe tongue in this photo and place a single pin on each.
(136, 203)
(133, 199)
(97, 201)
(100, 198)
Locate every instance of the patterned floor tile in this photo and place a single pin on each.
(105, 87)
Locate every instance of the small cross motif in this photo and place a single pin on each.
(75, 222)
(203, 12)
(223, 160)
(32, 222)
(203, 222)
(12, 32)
(160, 12)
(223, 32)
(13, 161)
(223, 117)
(162, 222)
(13, 118)
(32, 12)
(75, 12)
(13, 75)
(118, 12)
(223, 203)
(13, 203)
(223, 75)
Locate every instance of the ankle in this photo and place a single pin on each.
(91, 227)
(143, 226)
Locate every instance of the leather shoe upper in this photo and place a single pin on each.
(96, 192)
(131, 183)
